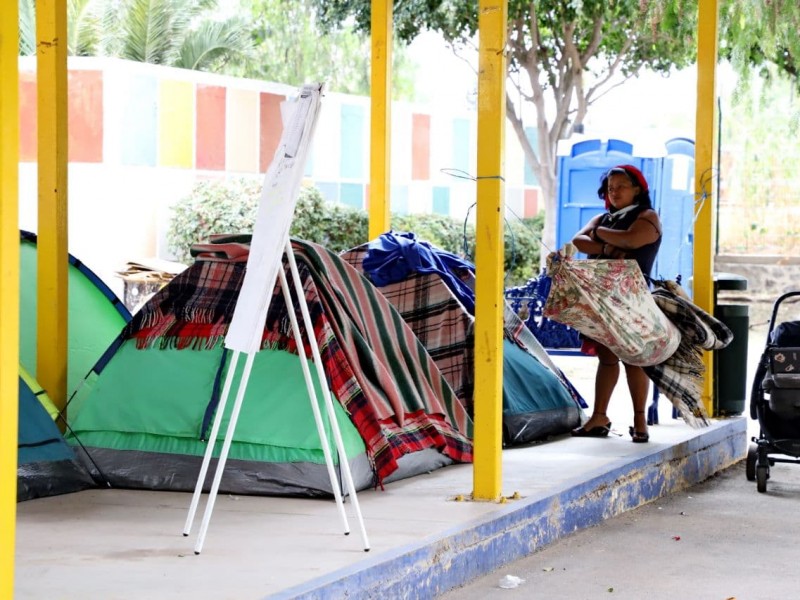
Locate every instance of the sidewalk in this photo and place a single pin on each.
(127, 544)
(707, 542)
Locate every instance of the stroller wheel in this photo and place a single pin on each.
(762, 474)
(750, 463)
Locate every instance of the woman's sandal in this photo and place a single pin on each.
(638, 437)
(598, 431)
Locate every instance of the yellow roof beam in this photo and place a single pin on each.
(703, 286)
(53, 261)
(381, 119)
(489, 251)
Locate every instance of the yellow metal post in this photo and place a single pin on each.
(492, 23)
(381, 119)
(51, 64)
(703, 288)
(9, 288)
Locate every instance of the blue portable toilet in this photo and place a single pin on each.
(675, 207)
(580, 166)
(668, 168)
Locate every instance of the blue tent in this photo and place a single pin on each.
(46, 465)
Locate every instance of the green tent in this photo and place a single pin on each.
(145, 411)
(146, 414)
(96, 315)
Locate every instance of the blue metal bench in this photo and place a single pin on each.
(528, 302)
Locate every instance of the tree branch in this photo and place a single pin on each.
(595, 41)
(611, 72)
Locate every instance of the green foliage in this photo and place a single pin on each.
(523, 249)
(289, 47)
(554, 41)
(335, 226)
(759, 176)
(564, 56)
(441, 231)
(212, 45)
(27, 27)
(212, 207)
(176, 33)
(179, 33)
(760, 34)
(83, 28)
(230, 206)
(522, 239)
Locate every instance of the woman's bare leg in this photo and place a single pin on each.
(638, 385)
(604, 383)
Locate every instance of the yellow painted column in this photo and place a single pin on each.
(381, 119)
(488, 472)
(51, 65)
(703, 286)
(9, 288)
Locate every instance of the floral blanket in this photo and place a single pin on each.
(662, 331)
(608, 301)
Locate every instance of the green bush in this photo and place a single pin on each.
(523, 239)
(231, 205)
(212, 207)
(334, 226)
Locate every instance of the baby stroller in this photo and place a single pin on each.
(775, 400)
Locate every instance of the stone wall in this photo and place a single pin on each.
(767, 276)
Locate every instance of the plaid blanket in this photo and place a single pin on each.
(446, 328)
(680, 378)
(377, 369)
(437, 318)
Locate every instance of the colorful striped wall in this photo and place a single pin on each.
(133, 115)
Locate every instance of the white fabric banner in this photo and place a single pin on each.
(275, 212)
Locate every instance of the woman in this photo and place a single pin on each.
(630, 229)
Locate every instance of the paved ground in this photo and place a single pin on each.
(717, 540)
(126, 544)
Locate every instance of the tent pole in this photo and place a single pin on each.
(326, 394)
(223, 457)
(245, 331)
(312, 395)
(314, 405)
(212, 440)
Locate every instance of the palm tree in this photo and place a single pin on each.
(177, 33)
(83, 27)
(27, 27)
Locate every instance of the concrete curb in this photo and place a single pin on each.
(440, 563)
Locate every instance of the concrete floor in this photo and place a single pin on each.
(119, 544)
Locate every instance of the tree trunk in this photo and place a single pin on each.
(547, 179)
(543, 164)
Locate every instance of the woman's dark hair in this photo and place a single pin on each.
(635, 176)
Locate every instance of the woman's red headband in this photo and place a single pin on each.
(632, 172)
